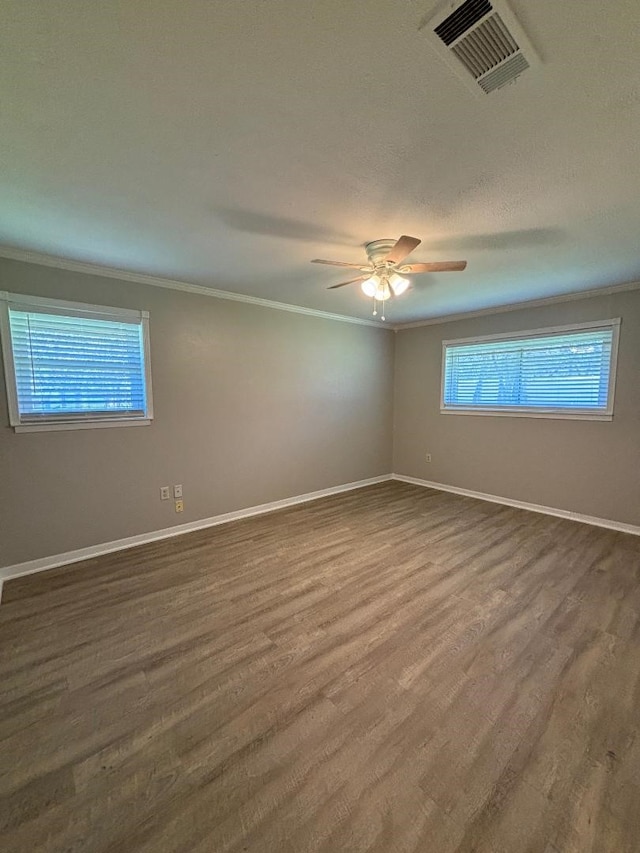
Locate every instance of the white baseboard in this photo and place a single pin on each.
(621, 526)
(45, 563)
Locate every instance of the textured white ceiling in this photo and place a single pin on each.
(228, 142)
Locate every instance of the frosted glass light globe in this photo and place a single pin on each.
(370, 286)
(398, 284)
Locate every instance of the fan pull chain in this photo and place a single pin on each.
(375, 308)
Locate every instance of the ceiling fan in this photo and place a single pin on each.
(383, 276)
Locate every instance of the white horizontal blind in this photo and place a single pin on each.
(70, 367)
(566, 373)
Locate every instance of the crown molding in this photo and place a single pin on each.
(29, 257)
(521, 306)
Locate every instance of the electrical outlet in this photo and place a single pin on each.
(177, 491)
(165, 493)
(180, 506)
(427, 457)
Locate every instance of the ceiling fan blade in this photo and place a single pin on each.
(402, 248)
(437, 266)
(336, 263)
(351, 281)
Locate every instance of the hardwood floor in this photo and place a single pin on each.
(394, 669)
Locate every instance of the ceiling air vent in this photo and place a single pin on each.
(483, 42)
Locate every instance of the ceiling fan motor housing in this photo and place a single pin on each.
(378, 250)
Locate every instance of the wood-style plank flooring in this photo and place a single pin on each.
(392, 670)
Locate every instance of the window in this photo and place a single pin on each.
(566, 372)
(70, 366)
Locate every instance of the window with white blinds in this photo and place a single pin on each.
(566, 371)
(74, 365)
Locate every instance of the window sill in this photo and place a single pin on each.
(55, 427)
(531, 413)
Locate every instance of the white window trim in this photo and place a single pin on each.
(78, 309)
(537, 411)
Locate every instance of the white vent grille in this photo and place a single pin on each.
(507, 72)
(464, 17)
(483, 42)
(489, 44)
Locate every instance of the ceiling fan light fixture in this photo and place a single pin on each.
(370, 286)
(384, 275)
(382, 291)
(398, 284)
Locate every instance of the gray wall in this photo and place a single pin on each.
(254, 405)
(591, 467)
(251, 405)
